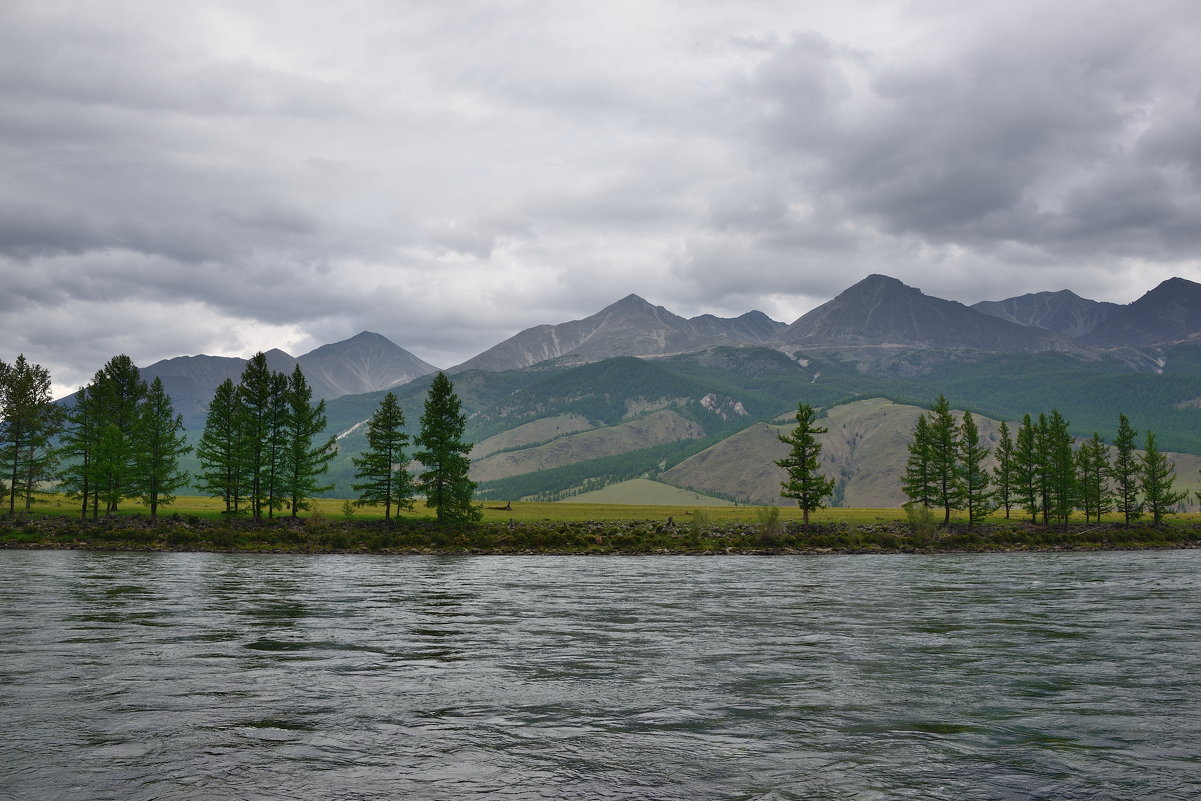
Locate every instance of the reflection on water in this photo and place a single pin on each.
(195, 676)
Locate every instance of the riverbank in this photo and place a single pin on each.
(190, 533)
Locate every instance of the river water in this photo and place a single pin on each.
(197, 676)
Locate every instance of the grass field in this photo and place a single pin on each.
(530, 511)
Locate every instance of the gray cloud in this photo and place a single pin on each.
(224, 177)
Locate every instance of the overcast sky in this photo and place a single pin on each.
(212, 177)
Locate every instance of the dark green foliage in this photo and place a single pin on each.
(944, 455)
(1006, 475)
(1027, 466)
(262, 404)
(119, 392)
(28, 421)
(919, 483)
(443, 455)
(804, 484)
(224, 462)
(384, 465)
(302, 461)
(1156, 477)
(1125, 472)
(1060, 465)
(78, 447)
(1094, 495)
(974, 479)
(158, 443)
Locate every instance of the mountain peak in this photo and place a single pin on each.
(1171, 312)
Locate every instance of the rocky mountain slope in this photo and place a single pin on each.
(1063, 312)
(629, 327)
(1168, 314)
(364, 363)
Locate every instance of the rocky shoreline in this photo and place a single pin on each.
(424, 537)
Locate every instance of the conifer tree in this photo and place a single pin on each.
(1060, 469)
(159, 442)
(1156, 477)
(77, 448)
(28, 421)
(120, 391)
(944, 454)
(1125, 472)
(1027, 468)
(974, 479)
(262, 404)
(384, 466)
(1092, 478)
(919, 479)
(443, 455)
(302, 461)
(1006, 470)
(222, 450)
(804, 484)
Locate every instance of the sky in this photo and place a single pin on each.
(228, 177)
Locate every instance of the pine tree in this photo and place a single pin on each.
(974, 479)
(224, 465)
(443, 455)
(1125, 472)
(804, 484)
(384, 465)
(1006, 470)
(302, 462)
(159, 443)
(1156, 477)
(944, 455)
(119, 392)
(1027, 468)
(262, 405)
(1061, 468)
(919, 481)
(28, 421)
(77, 447)
(1092, 478)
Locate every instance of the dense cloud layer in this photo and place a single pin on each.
(223, 177)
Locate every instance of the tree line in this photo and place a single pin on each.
(1040, 470)
(260, 451)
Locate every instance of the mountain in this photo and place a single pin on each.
(882, 311)
(364, 363)
(1063, 312)
(1168, 314)
(629, 327)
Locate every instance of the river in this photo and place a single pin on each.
(962, 676)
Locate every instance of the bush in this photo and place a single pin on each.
(921, 521)
(768, 525)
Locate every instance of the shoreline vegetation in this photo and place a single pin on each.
(578, 529)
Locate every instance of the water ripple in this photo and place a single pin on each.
(194, 676)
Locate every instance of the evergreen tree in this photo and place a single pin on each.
(28, 421)
(119, 392)
(443, 455)
(1156, 477)
(1060, 469)
(1125, 472)
(1092, 478)
(159, 442)
(78, 444)
(1006, 470)
(384, 466)
(974, 479)
(224, 465)
(919, 481)
(302, 462)
(1027, 468)
(262, 405)
(944, 459)
(805, 484)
